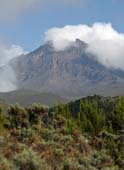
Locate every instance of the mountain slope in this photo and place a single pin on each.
(27, 97)
(70, 73)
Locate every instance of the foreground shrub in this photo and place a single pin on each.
(29, 160)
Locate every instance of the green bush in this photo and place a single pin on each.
(29, 160)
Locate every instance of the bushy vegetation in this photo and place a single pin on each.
(87, 136)
(95, 114)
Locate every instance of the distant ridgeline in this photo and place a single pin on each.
(85, 134)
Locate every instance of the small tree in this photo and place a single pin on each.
(117, 115)
(1, 120)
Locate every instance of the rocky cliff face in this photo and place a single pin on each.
(70, 73)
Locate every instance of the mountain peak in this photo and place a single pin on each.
(69, 73)
(49, 43)
(80, 42)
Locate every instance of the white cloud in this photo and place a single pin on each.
(9, 52)
(7, 79)
(104, 42)
(7, 75)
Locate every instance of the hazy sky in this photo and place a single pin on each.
(24, 22)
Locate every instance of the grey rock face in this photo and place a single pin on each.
(69, 73)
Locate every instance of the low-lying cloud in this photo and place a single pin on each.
(9, 52)
(104, 42)
(7, 75)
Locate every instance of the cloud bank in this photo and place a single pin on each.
(104, 42)
(7, 75)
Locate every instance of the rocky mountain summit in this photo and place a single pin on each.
(70, 73)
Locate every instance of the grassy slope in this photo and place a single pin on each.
(27, 97)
